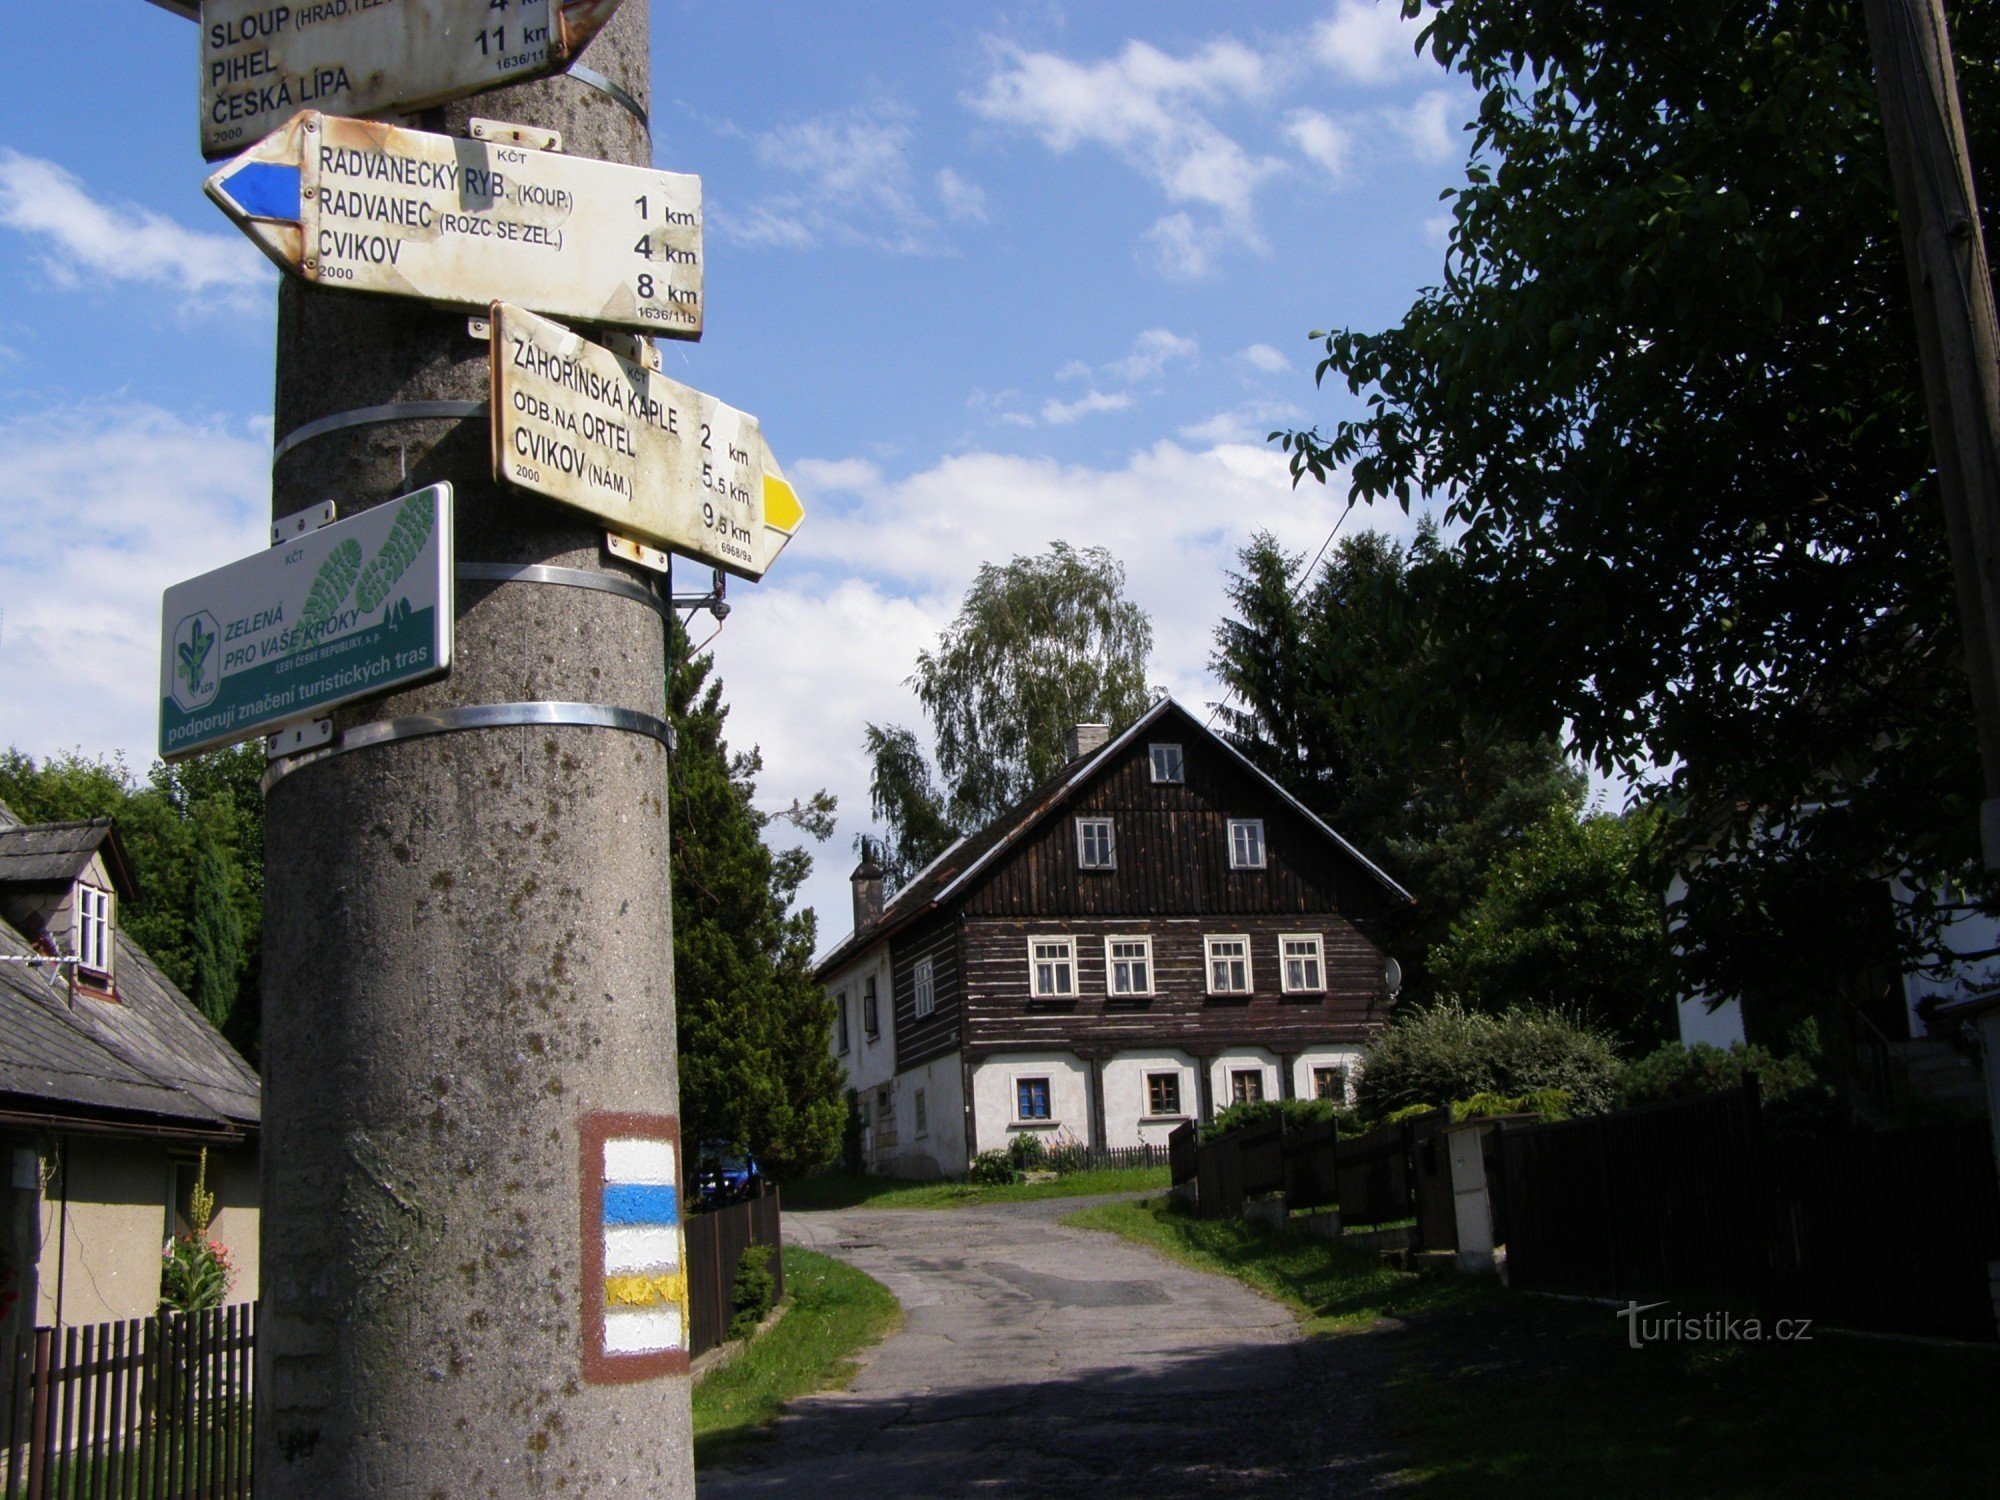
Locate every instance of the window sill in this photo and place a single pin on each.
(1164, 1119)
(1303, 995)
(1034, 1124)
(1230, 997)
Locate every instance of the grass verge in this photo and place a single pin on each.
(1499, 1394)
(852, 1190)
(832, 1312)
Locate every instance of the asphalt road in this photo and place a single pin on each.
(1042, 1360)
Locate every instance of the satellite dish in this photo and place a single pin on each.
(1392, 975)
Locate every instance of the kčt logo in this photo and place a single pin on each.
(196, 661)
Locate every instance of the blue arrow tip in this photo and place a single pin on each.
(265, 190)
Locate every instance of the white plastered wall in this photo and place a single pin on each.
(993, 1096)
(869, 1062)
(940, 1150)
(1324, 1057)
(1128, 1120)
(1235, 1059)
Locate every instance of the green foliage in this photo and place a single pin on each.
(1296, 1113)
(1027, 1152)
(992, 1169)
(196, 1271)
(193, 834)
(1550, 1104)
(1677, 1072)
(1569, 919)
(1039, 645)
(754, 1291)
(753, 1021)
(1444, 1051)
(1667, 389)
(1343, 693)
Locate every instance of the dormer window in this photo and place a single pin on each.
(1166, 763)
(93, 930)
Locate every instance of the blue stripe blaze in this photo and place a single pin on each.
(265, 190)
(640, 1203)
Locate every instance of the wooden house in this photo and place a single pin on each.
(1158, 932)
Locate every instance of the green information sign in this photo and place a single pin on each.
(351, 610)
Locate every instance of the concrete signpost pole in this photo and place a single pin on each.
(470, 1083)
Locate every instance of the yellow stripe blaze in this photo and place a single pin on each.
(646, 1289)
(782, 510)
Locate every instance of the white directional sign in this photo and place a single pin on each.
(262, 61)
(374, 208)
(344, 612)
(654, 458)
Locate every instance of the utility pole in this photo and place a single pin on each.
(1953, 292)
(468, 957)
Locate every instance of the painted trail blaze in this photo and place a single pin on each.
(635, 1274)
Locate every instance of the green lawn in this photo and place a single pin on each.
(832, 1312)
(852, 1190)
(1499, 1394)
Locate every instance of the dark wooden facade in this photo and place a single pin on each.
(1172, 881)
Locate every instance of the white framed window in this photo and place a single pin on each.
(922, 1118)
(1052, 968)
(1163, 1095)
(1032, 1100)
(1166, 763)
(871, 1013)
(840, 1018)
(93, 929)
(1246, 843)
(1094, 850)
(1304, 961)
(1228, 964)
(1246, 1085)
(1128, 965)
(926, 987)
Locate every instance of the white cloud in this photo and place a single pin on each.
(1326, 144)
(1062, 413)
(963, 201)
(1182, 250)
(1428, 127)
(1368, 41)
(1247, 424)
(1153, 110)
(105, 509)
(855, 186)
(1265, 357)
(1152, 352)
(89, 240)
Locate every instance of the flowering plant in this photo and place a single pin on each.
(195, 1272)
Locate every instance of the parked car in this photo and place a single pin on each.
(725, 1173)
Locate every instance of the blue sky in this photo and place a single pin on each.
(990, 274)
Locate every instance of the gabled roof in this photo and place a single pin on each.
(53, 853)
(149, 1060)
(944, 876)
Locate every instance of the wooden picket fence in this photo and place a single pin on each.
(145, 1409)
(716, 1240)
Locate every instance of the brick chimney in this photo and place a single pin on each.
(867, 881)
(1088, 739)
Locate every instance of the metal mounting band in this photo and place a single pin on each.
(591, 78)
(365, 416)
(576, 578)
(478, 716)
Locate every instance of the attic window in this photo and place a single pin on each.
(1166, 763)
(93, 929)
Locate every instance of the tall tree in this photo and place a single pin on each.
(753, 1022)
(1040, 644)
(1340, 690)
(1667, 387)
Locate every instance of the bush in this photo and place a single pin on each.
(1294, 1112)
(1549, 1104)
(1447, 1052)
(992, 1169)
(1027, 1152)
(754, 1291)
(1677, 1072)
